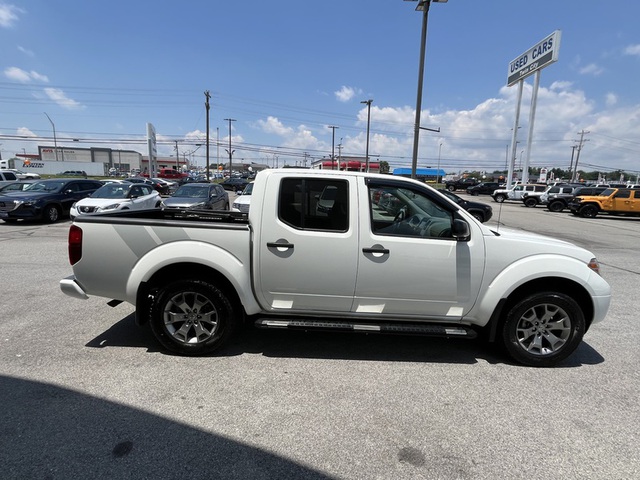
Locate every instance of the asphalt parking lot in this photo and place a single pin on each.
(87, 394)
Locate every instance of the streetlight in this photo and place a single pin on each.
(333, 143)
(423, 6)
(230, 152)
(438, 172)
(55, 142)
(368, 102)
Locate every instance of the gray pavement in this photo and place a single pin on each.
(87, 394)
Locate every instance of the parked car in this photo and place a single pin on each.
(483, 188)
(118, 196)
(159, 186)
(516, 192)
(198, 196)
(15, 186)
(532, 199)
(74, 173)
(560, 201)
(460, 184)
(234, 184)
(47, 200)
(25, 175)
(243, 202)
(480, 211)
(164, 186)
(616, 201)
(7, 177)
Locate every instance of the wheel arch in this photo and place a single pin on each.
(184, 270)
(547, 284)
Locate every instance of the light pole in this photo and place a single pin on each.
(423, 6)
(368, 102)
(438, 172)
(230, 151)
(333, 143)
(55, 142)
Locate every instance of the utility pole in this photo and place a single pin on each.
(177, 157)
(333, 148)
(230, 151)
(207, 96)
(573, 153)
(579, 147)
(366, 155)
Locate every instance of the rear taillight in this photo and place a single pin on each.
(75, 244)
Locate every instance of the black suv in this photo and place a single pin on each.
(486, 188)
(235, 184)
(480, 211)
(47, 200)
(561, 201)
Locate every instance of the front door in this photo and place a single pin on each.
(410, 265)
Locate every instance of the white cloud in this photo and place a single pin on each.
(591, 69)
(9, 15)
(26, 51)
(25, 132)
(275, 126)
(18, 75)
(611, 99)
(633, 50)
(346, 93)
(61, 99)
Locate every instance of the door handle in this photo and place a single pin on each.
(376, 249)
(279, 245)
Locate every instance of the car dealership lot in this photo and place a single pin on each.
(87, 393)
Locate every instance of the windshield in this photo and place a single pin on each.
(193, 191)
(247, 190)
(112, 190)
(48, 186)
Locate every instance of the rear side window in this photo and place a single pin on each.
(314, 204)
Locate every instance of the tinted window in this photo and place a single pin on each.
(402, 212)
(623, 194)
(314, 204)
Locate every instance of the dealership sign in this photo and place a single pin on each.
(537, 57)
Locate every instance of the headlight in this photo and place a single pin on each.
(113, 206)
(198, 205)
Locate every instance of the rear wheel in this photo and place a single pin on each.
(543, 329)
(451, 188)
(192, 317)
(499, 198)
(556, 206)
(530, 202)
(477, 216)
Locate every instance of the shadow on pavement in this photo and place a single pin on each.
(346, 346)
(50, 432)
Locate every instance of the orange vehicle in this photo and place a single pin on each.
(621, 201)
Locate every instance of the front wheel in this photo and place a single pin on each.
(451, 188)
(192, 317)
(543, 329)
(51, 214)
(530, 202)
(588, 211)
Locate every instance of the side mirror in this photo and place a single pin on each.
(460, 230)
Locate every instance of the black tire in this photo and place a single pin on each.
(499, 198)
(556, 206)
(530, 202)
(588, 211)
(192, 317)
(51, 214)
(474, 193)
(543, 329)
(451, 188)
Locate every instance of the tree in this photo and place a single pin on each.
(384, 167)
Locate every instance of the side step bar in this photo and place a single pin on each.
(434, 330)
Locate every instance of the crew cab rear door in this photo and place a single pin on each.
(306, 256)
(410, 265)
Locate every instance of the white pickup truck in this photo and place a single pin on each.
(346, 251)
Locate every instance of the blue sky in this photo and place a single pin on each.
(285, 70)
